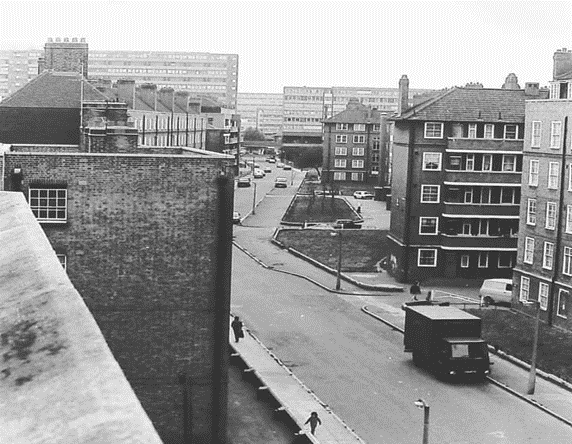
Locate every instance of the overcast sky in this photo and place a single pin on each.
(437, 44)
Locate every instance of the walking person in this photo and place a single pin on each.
(313, 420)
(237, 328)
(415, 290)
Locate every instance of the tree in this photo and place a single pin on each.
(310, 158)
(253, 134)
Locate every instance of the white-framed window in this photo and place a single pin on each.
(483, 259)
(433, 130)
(465, 261)
(505, 259)
(466, 229)
(531, 212)
(528, 250)
(357, 163)
(359, 138)
(553, 170)
(430, 193)
(548, 256)
(555, 134)
(563, 296)
(509, 162)
(342, 126)
(468, 196)
(487, 162)
(489, 131)
(567, 261)
(358, 151)
(533, 171)
(483, 227)
(570, 177)
(432, 161)
(510, 131)
(357, 177)
(524, 289)
(49, 204)
(455, 162)
(568, 218)
(470, 162)
(543, 295)
(63, 259)
(341, 151)
(359, 126)
(428, 225)
(550, 215)
(341, 138)
(536, 127)
(339, 176)
(340, 163)
(427, 257)
(472, 134)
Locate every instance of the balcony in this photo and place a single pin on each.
(480, 242)
(488, 178)
(472, 209)
(492, 145)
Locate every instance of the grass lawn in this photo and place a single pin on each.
(312, 208)
(513, 333)
(361, 249)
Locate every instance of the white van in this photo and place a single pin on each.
(494, 291)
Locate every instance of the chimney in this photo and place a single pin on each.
(167, 98)
(66, 56)
(532, 89)
(126, 92)
(403, 103)
(182, 100)
(562, 64)
(148, 93)
(511, 82)
(195, 105)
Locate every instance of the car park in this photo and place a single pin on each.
(236, 217)
(281, 182)
(363, 195)
(258, 174)
(243, 182)
(496, 292)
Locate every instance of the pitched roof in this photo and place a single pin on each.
(53, 90)
(470, 105)
(356, 113)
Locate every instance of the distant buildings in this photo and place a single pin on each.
(17, 67)
(262, 111)
(543, 270)
(457, 162)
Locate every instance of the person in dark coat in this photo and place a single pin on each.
(237, 328)
(415, 290)
(313, 420)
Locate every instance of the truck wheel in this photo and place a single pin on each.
(487, 300)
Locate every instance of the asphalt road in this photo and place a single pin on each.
(357, 365)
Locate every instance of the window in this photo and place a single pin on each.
(342, 126)
(341, 138)
(359, 138)
(535, 140)
(550, 215)
(548, 256)
(426, 257)
(468, 196)
(528, 250)
(524, 289)
(358, 151)
(555, 133)
(570, 177)
(472, 132)
(483, 259)
(433, 130)
(466, 229)
(510, 132)
(553, 168)
(430, 193)
(63, 259)
(465, 261)
(49, 204)
(509, 162)
(562, 299)
(431, 161)
(533, 173)
(428, 225)
(339, 176)
(543, 295)
(341, 151)
(567, 261)
(531, 212)
(455, 162)
(489, 131)
(359, 126)
(357, 177)
(569, 219)
(357, 163)
(487, 162)
(505, 259)
(470, 162)
(340, 163)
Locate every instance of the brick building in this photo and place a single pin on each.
(457, 162)
(543, 270)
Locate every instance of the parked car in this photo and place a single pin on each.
(267, 169)
(271, 160)
(281, 182)
(363, 195)
(327, 192)
(346, 223)
(279, 165)
(236, 217)
(287, 167)
(243, 182)
(258, 174)
(496, 291)
(256, 166)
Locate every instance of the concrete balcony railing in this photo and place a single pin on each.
(485, 178)
(481, 242)
(496, 145)
(482, 209)
(60, 382)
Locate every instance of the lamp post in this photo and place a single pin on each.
(423, 405)
(532, 373)
(254, 198)
(292, 177)
(339, 267)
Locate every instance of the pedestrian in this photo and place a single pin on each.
(237, 328)
(415, 290)
(358, 210)
(313, 420)
(429, 297)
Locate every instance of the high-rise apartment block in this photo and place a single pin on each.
(17, 67)
(262, 111)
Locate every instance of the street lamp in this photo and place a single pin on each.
(339, 268)
(532, 372)
(254, 199)
(292, 177)
(423, 405)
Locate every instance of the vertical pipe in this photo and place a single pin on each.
(425, 424)
(339, 271)
(532, 373)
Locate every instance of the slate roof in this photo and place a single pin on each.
(357, 113)
(470, 105)
(53, 90)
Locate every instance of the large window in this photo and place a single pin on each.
(483, 259)
(531, 212)
(472, 131)
(341, 151)
(550, 215)
(563, 296)
(428, 225)
(555, 134)
(553, 170)
(432, 161)
(342, 126)
(340, 163)
(433, 130)
(430, 193)
(489, 131)
(509, 162)
(359, 126)
(533, 173)
(427, 257)
(543, 295)
(358, 151)
(357, 163)
(567, 261)
(505, 259)
(524, 289)
(339, 176)
(548, 256)
(487, 162)
(510, 131)
(470, 162)
(358, 138)
(528, 250)
(569, 219)
(341, 138)
(536, 131)
(357, 177)
(49, 204)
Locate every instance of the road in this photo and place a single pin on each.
(356, 365)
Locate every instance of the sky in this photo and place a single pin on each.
(437, 44)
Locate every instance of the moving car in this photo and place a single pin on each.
(363, 195)
(258, 174)
(236, 217)
(495, 291)
(280, 182)
(243, 182)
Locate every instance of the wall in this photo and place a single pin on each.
(39, 125)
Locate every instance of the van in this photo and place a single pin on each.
(494, 291)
